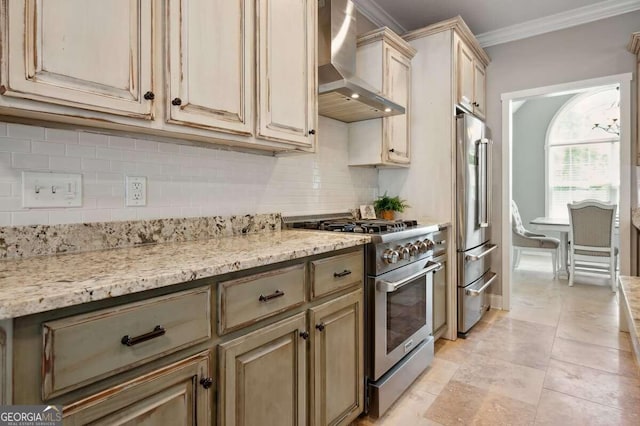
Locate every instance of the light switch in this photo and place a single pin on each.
(45, 189)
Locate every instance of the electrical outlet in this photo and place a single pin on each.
(136, 191)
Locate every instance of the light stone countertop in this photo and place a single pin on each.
(630, 296)
(38, 284)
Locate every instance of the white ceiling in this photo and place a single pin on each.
(481, 15)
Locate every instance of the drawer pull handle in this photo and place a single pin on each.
(277, 293)
(341, 274)
(157, 332)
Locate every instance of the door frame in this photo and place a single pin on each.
(627, 166)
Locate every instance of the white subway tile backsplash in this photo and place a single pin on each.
(81, 151)
(95, 165)
(123, 143)
(62, 136)
(47, 148)
(22, 131)
(14, 145)
(65, 216)
(94, 139)
(144, 145)
(5, 189)
(30, 217)
(109, 154)
(29, 161)
(65, 163)
(182, 180)
(3, 129)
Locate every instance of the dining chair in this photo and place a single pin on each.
(524, 240)
(591, 243)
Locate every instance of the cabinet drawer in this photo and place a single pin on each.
(246, 300)
(335, 273)
(82, 349)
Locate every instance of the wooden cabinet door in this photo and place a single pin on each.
(337, 371)
(210, 64)
(286, 74)
(479, 85)
(89, 54)
(263, 376)
(440, 298)
(397, 86)
(465, 69)
(173, 395)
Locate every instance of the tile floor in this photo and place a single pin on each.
(556, 358)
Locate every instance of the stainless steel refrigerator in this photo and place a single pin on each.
(473, 220)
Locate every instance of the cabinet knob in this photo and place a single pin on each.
(304, 335)
(206, 382)
(320, 326)
(149, 96)
(392, 150)
(176, 102)
(312, 132)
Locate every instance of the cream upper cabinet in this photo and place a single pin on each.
(397, 85)
(286, 70)
(383, 60)
(470, 80)
(479, 88)
(210, 64)
(337, 371)
(87, 54)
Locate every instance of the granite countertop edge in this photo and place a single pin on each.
(40, 284)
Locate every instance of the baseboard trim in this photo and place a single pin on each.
(496, 301)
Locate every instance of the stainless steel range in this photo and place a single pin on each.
(398, 300)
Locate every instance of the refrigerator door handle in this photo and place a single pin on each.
(483, 183)
(474, 257)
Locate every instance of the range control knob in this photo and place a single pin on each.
(404, 252)
(426, 245)
(390, 256)
(413, 249)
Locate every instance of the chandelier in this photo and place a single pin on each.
(612, 127)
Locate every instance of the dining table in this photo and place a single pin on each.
(560, 225)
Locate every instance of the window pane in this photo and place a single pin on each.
(578, 172)
(575, 122)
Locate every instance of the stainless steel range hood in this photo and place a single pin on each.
(342, 95)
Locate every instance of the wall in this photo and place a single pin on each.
(587, 51)
(530, 125)
(183, 181)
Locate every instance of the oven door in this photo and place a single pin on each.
(402, 310)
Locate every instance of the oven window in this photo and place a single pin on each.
(406, 312)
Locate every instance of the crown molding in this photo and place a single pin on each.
(559, 21)
(634, 43)
(376, 14)
(389, 37)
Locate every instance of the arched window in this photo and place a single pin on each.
(583, 151)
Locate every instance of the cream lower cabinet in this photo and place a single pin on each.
(263, 376)
(86, 54)
(178, 395)
(265, 379)
(440, 298)
(336, 370)
(383, 61)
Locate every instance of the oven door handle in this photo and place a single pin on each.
(473, 292)
(474, 257)
(390, 287)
